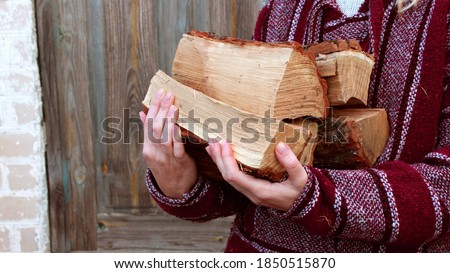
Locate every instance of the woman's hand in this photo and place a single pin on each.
(279, 196)
(174, 170)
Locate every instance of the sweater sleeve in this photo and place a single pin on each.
(207, 200)
(395, 203)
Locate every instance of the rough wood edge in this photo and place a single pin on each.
(328, 47)
(296, 46)
(243, 42)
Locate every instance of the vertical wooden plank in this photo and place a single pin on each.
(221, 14)
(246, 15)
(198, 10)
(78, 158)
(97, 80)
(147, 67)
(173, 20)
(47, 22)
(176, 17)
(130, 61)
(77, 126)
(69, 123)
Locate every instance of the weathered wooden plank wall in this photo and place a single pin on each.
(97, 58)
(70, 145)
(130, 59)
(143, 40)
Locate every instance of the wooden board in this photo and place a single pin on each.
(160, 233)
(127, 54)
(69, 131)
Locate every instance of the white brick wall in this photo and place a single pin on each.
(23, 188)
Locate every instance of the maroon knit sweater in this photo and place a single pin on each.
(400, 205)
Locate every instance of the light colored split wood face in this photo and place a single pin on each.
(254, 138)
(257, 77)
(348, 76)
(327, 65)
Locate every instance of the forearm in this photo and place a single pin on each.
(207, 200)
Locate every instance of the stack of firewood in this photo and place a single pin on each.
(256, 94)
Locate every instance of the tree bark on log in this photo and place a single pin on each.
(351, 139)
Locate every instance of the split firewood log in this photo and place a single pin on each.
(351, 138)
(347, 70)
(253, 137)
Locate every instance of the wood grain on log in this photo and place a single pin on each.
(206, 166)
(280, 79)
(347, 70)
(350, 85)
(328, 47)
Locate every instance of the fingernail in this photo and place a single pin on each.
(171, 110)
(282, 148)
(142, 115)
(212, 141)
(168, 97)
(160, 93)
(224, 142)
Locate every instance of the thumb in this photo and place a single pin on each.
(289, 161)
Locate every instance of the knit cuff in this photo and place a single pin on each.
(305, 201)
(188, 199)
